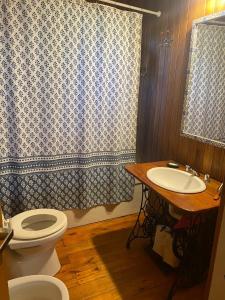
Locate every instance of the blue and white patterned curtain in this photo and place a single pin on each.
(69, 83)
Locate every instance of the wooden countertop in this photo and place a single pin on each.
(191, 203)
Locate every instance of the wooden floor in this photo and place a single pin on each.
(97, 266)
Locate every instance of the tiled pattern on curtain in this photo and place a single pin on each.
(204, 115)
(69, 83)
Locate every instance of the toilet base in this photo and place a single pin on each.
(40, 263)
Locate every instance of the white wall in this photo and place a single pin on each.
(78, 217)
(217, 289)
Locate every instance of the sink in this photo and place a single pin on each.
(176, 180)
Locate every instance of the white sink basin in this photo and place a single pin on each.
(176, 180)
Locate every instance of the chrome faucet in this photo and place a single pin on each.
(191, 171)
(207, 178)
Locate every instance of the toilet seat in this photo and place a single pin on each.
(37, 223)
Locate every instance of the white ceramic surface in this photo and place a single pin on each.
(35, 255)
(176, 180)
(37, 223)
(37, 287)
(52, 238)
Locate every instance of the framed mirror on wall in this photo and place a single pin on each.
(204, 106)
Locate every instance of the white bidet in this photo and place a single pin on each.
(37, 287)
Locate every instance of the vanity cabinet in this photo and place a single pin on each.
(192, 237)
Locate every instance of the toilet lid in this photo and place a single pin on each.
(37, 223)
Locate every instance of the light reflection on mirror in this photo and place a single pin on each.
(204, 106)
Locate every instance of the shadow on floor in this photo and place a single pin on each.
(136, 273)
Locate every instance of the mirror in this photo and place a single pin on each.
(204, 106)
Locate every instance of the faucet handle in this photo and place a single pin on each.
(207, 178)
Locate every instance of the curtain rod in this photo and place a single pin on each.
(147, 11)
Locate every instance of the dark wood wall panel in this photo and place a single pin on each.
(163, 83)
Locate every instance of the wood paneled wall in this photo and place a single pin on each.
(162, 87)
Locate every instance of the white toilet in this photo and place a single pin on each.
(32, 249)
(35, 287)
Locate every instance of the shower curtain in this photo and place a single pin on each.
(69, 83)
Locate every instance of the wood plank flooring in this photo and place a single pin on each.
(97, 266)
